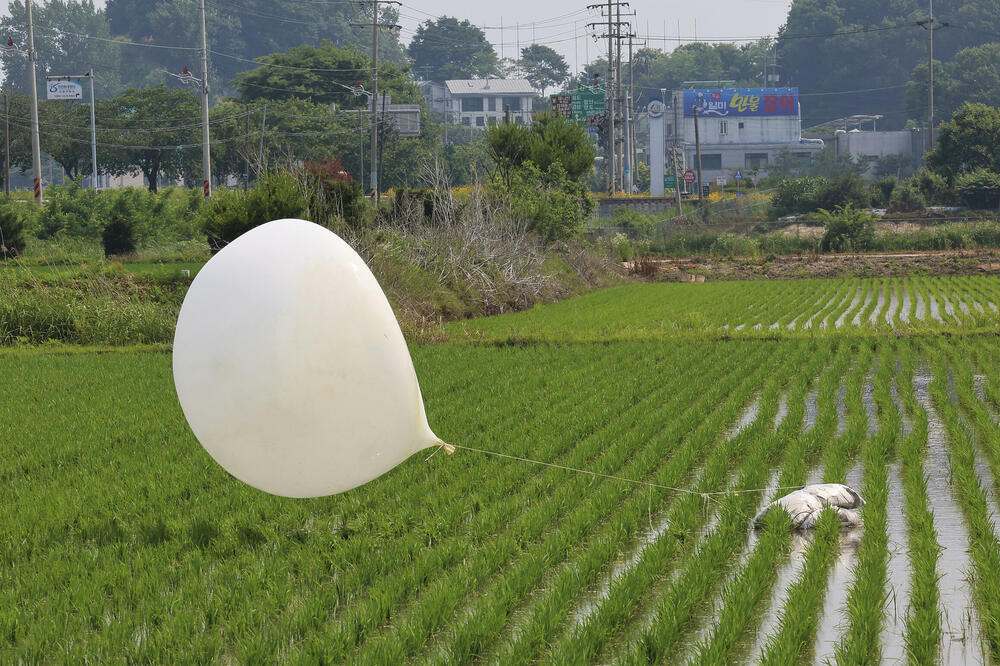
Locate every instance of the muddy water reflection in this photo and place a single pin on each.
(919, 313)
(832, 622)
(788, 573)
(898, 572)
(850, 308)
(893, 304)
(879, 304)
(961, 640)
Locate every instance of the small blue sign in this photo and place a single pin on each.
(738, 175)
(592, 130)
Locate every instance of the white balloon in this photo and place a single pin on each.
(291, 368)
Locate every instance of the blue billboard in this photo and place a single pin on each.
(742, 102)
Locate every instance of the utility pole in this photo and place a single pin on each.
(93, 132)
(929, 26)
(613, 33)
(373, 177)
(206, 154)
(612, 141)
(930, 77)
(697, 151)
(93, 123)
(36, 152)
(6, 143)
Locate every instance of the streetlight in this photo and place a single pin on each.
(188, 78)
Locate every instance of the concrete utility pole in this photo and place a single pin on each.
(612, 156)
(929, 25)
(612, 85)
(373, 177)
(930, 77)
(6, 143)
(36, 152)
(206, 150)
(697, 151)
(93, 132)
(93, 123)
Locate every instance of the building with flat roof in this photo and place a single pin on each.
(741, 129)
(480, 102)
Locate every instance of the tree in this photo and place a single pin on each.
(973, 76)
(70, 38)
(507, 147)
(242, 31)
(324, 74)
(549, 140)
(543, 66)
(552, 139)
(446, 48)
(151, 131)
(969, 141)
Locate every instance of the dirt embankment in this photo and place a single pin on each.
(945, 262)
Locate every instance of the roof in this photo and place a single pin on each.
(489, 86)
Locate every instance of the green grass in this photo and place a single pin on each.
(124, 541)
(749, 310)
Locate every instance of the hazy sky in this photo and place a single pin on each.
(556, 21)
(562, 24)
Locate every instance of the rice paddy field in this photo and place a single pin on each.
(693, 405)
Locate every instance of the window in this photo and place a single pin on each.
(741, 125)
(723, 127)
(472, 104)
(466, 120)
(491, 103)
(755, 160)
(803, 159)
(513, 102)
(711, 162)
(480, 121)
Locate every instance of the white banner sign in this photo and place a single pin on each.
(70, 89)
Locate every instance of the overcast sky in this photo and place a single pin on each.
(554, 22)
(562, 24)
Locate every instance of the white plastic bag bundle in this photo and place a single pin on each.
(805, 505)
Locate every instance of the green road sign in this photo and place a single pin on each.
(588, 101)
(669, 181)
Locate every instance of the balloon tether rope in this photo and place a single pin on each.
(613, 477)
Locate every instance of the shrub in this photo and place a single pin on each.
(847, 189)
(118, 236)
(979, 188)
(73, 211)
(882, 191)
(628, 218)
(11, 229)
(231, 213)
(847, 229)
(933, 186)
(407, 201)
(554, 206)
(795, 195)
(906, 198)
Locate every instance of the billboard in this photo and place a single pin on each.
(742, 102)
(65, 89)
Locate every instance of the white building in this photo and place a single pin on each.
(876, 145)
(481, 102)
(741, 129)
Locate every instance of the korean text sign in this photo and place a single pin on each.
(742, 102)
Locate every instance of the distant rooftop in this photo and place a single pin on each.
(487, 86)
